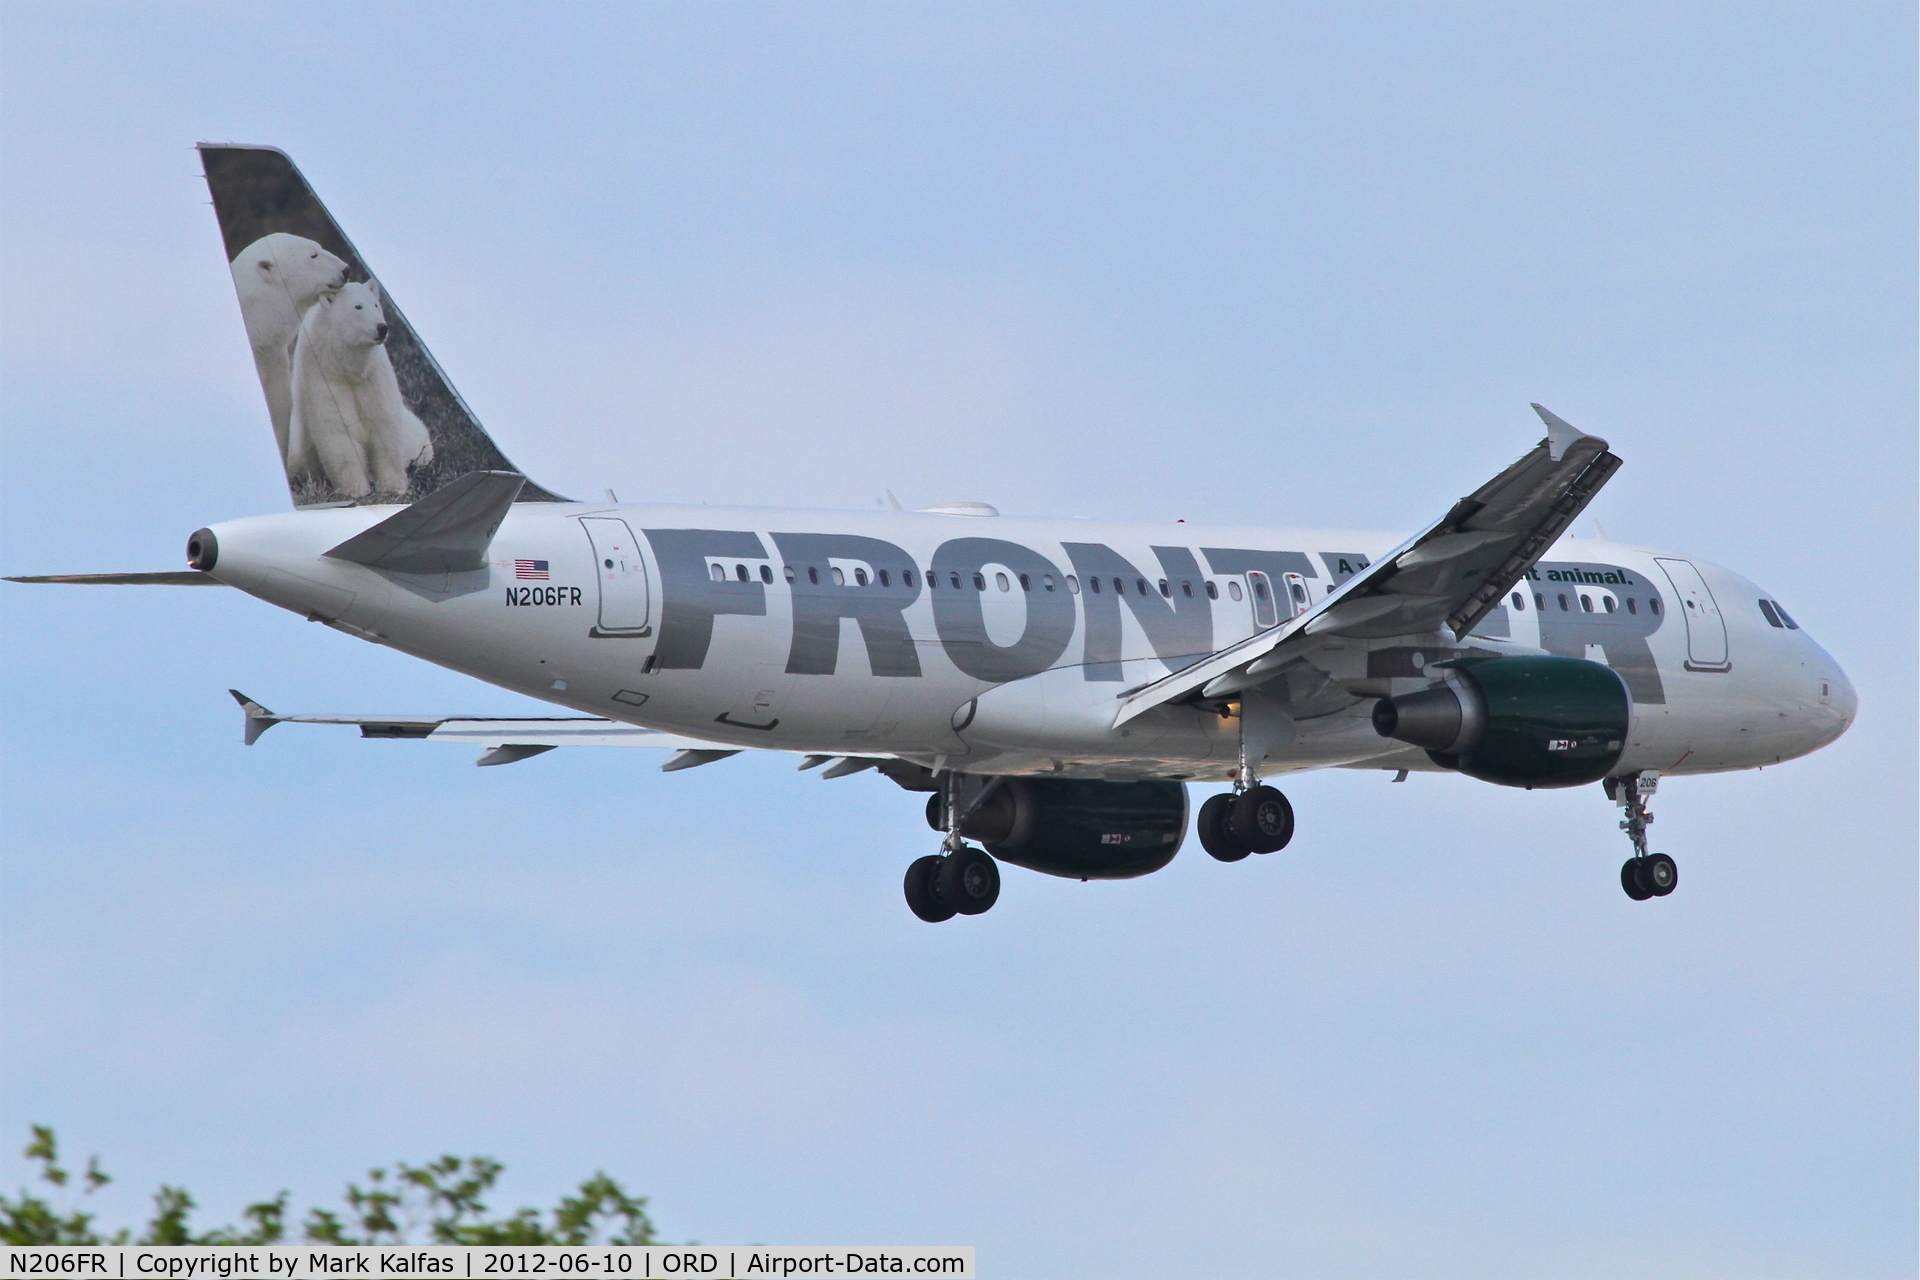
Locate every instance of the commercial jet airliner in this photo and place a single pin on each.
(1051, 686)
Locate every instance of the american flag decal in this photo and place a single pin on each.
(533, 569)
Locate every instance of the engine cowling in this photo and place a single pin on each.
(1084, 830)
(1518, 722)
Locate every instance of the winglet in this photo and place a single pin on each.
(258, 720)
(448, 531)
(1560, 432)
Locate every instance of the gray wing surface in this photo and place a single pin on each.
(1449, 575)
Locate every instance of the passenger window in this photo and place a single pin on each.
(1563, 604)
(1539, 601)
(1026, 583)
(1213, 592)
(1093, 584)
(1140, 584)
(1784, 617)
(740, 572)
(766, 573)
(839, 576)
(1233, 589)
(1166, 591)
(1586, 603)
(1000, 581)
(1607, 601)
(885, 580)
(813, 575)
(1300, 592)
(1259, 591)
(1046, 580)
(955, 579)
(1073, 584)
(906, 579)
(860, 577)
(716, 573)
(1632, 605)
(788, 570)
(1653, 604)
(1519, 604)
(1186, 589)
(980, 581)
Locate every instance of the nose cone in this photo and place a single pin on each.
(1844, 700)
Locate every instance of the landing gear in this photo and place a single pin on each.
(962, 880)
(1257, 820)
(1213, 829)
(922, 899)
(1653, 876)
(1645, 875)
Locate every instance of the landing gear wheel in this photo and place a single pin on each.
(1659, 874)
(1261, 820)
(921, 898)
(1213, 829)
(1630, 880)
(968, 881)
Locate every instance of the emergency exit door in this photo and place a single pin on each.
(1265, 607)
(625, 599)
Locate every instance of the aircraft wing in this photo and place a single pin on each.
(1450, 574)
(507, 740)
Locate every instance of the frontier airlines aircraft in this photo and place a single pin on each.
(1050, 686)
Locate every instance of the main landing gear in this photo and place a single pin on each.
(960, 880)
(1236, 823)
(1645, 875)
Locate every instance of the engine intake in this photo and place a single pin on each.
(1518, 722)
(1081, 829)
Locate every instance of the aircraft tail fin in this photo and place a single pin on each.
(361, 411)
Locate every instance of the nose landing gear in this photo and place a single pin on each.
(961, 880)
(1645, 875)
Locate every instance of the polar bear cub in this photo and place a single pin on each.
(348, 420)
(278, 277)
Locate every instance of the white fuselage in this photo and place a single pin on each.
(819, 631)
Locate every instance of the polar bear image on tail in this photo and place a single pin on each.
(348, 420)
(278, 277)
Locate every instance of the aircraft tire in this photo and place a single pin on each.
(1262, 820)
(1212, 829)
(921, 899)
(968, 881)
(1631, 882)
(1659, 874)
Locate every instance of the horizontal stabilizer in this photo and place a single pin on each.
(448, 531)
(180, 578)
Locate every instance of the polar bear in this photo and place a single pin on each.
(348, 420)
(278, 277)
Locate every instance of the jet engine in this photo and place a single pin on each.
(1518, 722)
(1085, 830)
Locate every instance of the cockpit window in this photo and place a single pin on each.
(1785, 617)
(1766, 611)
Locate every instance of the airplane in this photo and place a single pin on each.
(1051, 686)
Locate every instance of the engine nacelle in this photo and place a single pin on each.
(1084, 830)
(1518, 722)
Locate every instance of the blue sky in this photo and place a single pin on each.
(1282, 264)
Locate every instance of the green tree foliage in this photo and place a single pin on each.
(441, 1202)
